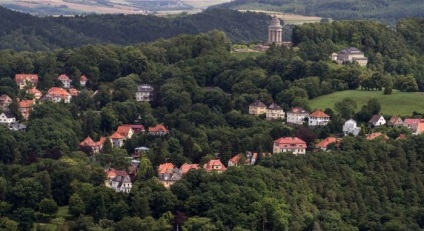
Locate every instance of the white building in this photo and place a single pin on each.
(350, 54)
(377, 120)
(350, 127)
(297, 115)
(66, 81)
(145, 93)
(318, 117)
(7, 118)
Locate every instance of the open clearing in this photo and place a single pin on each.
(398, 103)
(289, 18)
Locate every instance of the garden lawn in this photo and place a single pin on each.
(398, 103)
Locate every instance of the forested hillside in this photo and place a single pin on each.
(203, 92)
(33, 33)
(384, 10)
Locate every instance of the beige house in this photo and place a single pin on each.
(289, 144)
(23, 80)
(257, 108)
(274, 112)
(350, 54)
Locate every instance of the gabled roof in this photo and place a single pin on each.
(31, 77)
(157, 128)
(63, 77)
(187, 167)
(410, 122)
(274, 106)
(34, 91)
(73, 91)
(325, 142)
(88, 142)
(166, 168)
(101, 141)
(57, 91)
(319, 113)
(83, 78)
(298, 110)
(375, 135)
(26, 103)
(135, 126)
(351, 121)
(116, 136)
(235, 159)
(111, 173)
(375, 118)
(5, 97)
(8, 115)
(123, 130)
(216, 162)
(257, 103)
(395, 120)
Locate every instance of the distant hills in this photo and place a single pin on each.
(389, 11)
(20, 31)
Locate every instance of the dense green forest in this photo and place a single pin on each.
(203, 94)
(389, 11)
(33, 33)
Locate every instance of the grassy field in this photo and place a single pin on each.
(398, 103)
(290, 18)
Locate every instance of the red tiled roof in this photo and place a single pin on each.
(111, 173)
(88, 142)
(235, 159)
(63, 77)
(298, 110)
(73, 91)
(187, 167)
(157, 128)
(101, 141)
(210, 165)
(34, 91)
(290, 141)
(57, 91)
(83, 78)
(166, 167)
(394, 120)
(123, 130)
(325, 142)
(375, 135)
(420, 128)
(116, 136)
(32, 77)
(401, 136)
(26, 103)
(319, 113)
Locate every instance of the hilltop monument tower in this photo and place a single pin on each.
(275, 31)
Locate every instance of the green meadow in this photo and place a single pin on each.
(398, 103)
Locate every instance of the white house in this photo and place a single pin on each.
(66, 81)
(377, 120)
(145, 93)
(350, 127)
(118, 180)
(318, 117)
(7, 118)
(297, 115)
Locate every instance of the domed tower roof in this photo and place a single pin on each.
(275, 23)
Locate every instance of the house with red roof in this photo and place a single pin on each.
(187, 167)
(89, 144)
(414, 125)
(118, 180)
(168, 174)
(36, 93)
(395, 121)
(318, 117)
(24, 80)
(214, 165)
(66, 81)
(74, 92)
(257, 108)
(25, 107)
(117, 140)
(83, 80)
(323, 144)
(297, 115)
(237, 160)
(375, 135)
(290, 144)
(158, 130)
(137, 128)
(57, 94)
(5, 101)
(125, 131)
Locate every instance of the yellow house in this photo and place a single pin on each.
(257, 108)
